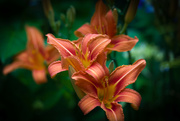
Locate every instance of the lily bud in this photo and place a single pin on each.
(63, 18)
(78, 91)
(111, 66)
(131, 11)
(70, 15)
(48, 10)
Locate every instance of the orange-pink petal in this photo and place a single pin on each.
(11, 67)
(39, 76)
(65, 47)
(125, 75)
(55, 68)
(129, 96)
(122, 43)
(88, 103)
(115, 113)
(99, 14)
(101, 59)
(96, 71)
(110, 24)
(85, 29)
(86, 83)
(97, 46)
(87, 38)
(73, 61)
(51, 54)
(35, 40)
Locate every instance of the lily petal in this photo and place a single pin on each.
(39, 76)
(130, 96)
(11, 67)
(87, 83)
(125, 75)
(110, 24)
(96, 71)
(35, 40)
(122, 43)
(97, 45)
(101, 59)
(52, 54)
(85, 29)
(88, 103)
(98, 17)
(73, 61)
(88, 38)
(55, 67)
(65, 47)
(115, 113)
(21, 61)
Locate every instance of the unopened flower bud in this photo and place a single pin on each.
(48, 10)
(111, 66)
(71, 15)
(131, 11)
(63, 18)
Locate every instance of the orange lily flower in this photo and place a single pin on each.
(79, 54)
(106, 90)
(34, 56)
(104, 22)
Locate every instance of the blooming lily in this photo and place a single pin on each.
(106, 90)
(104, 22)
(80, 55)
(34, 56)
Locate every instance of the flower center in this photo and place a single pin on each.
(105, 94)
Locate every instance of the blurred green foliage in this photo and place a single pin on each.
(22, 99)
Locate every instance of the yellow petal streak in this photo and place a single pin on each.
(106, 94)
(36, 60)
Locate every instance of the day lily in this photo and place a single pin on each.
(105, 22)
(79, 54)
(34, 57)
(106, 90)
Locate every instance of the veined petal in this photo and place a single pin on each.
(115, 113)
(78, 42)
(73, 61)
(55, 68)
(125, 75)
(99, 14)
(130, 96)
(65, 47)
(88, 103)
(96, 71)
(97, 45)
(86, 83)
(51, 54)
(39, 76)
(110, 24)
(85, 29)
(87, 38)
(35, 40)
(101, 59)
(122, 43)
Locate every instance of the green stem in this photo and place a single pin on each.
(129, 55)
(124, 28)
